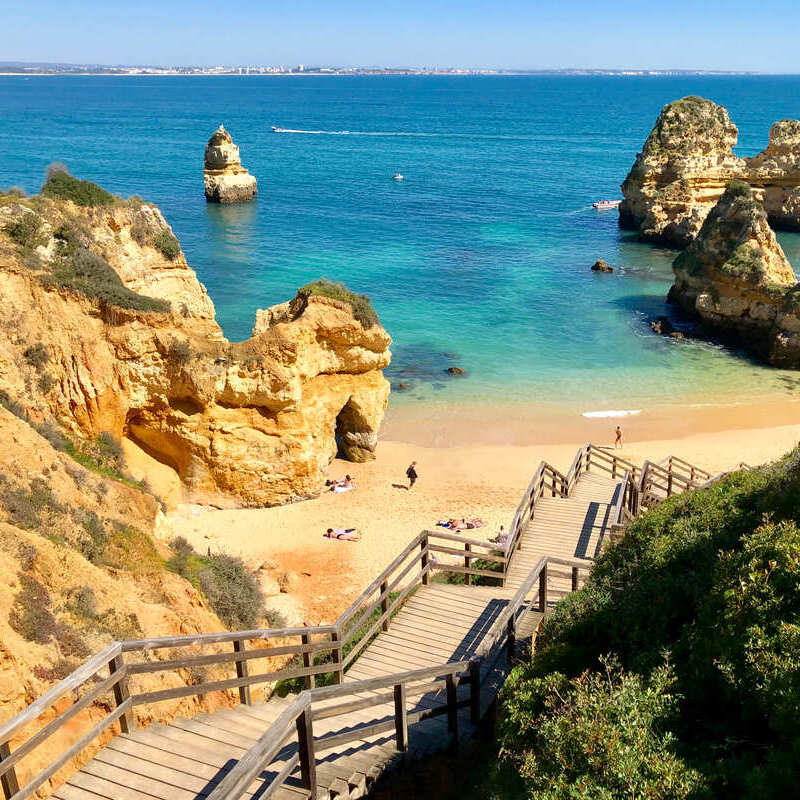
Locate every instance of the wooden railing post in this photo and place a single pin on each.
(452, 706)
(127, 722)
(385, 604)
(338, 657)
(309, 679)
(511, 638)
(9, 780)
(543, 590)
(475, 692)
(467, 564)
(423, 546)
(305, 750)
(588, 458)
(400, 718)
(574, 579)
(614, 467)
(242, 672)
(669, 483)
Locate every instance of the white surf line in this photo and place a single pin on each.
(612, 413)
(403, 133)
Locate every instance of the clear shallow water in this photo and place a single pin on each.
(479, 258)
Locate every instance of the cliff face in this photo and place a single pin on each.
(777, 170)
(735, 277)
(255, 421)
(686, 162)
(224, 177)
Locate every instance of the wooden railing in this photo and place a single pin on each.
(109, 678)
(296, 724)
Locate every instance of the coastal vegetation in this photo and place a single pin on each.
(675, 671)
(360, 303)
(60, 184)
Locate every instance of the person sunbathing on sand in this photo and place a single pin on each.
(345, 534)
(343, 484)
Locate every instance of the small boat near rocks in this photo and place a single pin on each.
(601, 205)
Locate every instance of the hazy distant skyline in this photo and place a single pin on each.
(518, 34)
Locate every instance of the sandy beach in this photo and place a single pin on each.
(465, 476)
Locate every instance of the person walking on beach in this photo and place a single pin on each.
(618, 440)
(411, 474)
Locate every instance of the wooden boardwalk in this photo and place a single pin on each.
(570, 527)
(187, 758)
(430, 663)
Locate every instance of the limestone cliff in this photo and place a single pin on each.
(735, 277)
(777, 170)
(681, 172)
(686, 163)
(225, 179)
(128, 344)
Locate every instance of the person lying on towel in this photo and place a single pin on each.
(347, 534)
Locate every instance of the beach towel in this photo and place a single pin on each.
(345, 534)
(340, 489)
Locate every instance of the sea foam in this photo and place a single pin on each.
(612, 413)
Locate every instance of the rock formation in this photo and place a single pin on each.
(777, 170)
(257, 421)
(735, 278)
(681, 172)
(686, 163)
(225, 179)
(601, 266)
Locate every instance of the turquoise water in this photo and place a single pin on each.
(479, 258)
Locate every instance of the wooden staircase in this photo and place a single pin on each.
(415, 663)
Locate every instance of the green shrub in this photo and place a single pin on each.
(167, 244)
(27, 231)
(130, 549)
(83, 603)
(12, 405)
(30, 615)
(94, 540)
(60, 184)
(179, 353)
(27, 509)
(46, 382)
(232, 590)
(602, 734)
(37, 356)
(360, 303)
(89, 274)
(15, 191)
(140, 232)
(713, 577)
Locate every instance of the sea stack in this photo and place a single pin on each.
(734, 278)
(225, 179)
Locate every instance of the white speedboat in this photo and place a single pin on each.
(397, 176)
(600, 205)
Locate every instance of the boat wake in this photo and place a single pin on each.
(416, 134)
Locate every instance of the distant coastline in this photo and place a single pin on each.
(11, 68)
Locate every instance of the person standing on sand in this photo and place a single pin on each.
(618, 440)
(411, 474)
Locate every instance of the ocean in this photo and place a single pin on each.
(479, 258)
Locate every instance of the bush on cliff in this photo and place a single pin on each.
(713, 578)
(60, 184)
(167, 244)
(360, 303)
(229, 586)
(27, 231)
(81, 270)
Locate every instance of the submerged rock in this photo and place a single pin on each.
(602, 266)
(736, 279)
(225, 179)
(456, 371)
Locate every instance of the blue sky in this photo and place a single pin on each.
(518, 34)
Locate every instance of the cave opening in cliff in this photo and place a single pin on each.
(350, 429)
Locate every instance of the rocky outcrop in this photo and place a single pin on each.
(735, 278)
(601, 266)
(681, 172)
(686, 163)
(225, 179)
(777, 171)
(255, 422)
